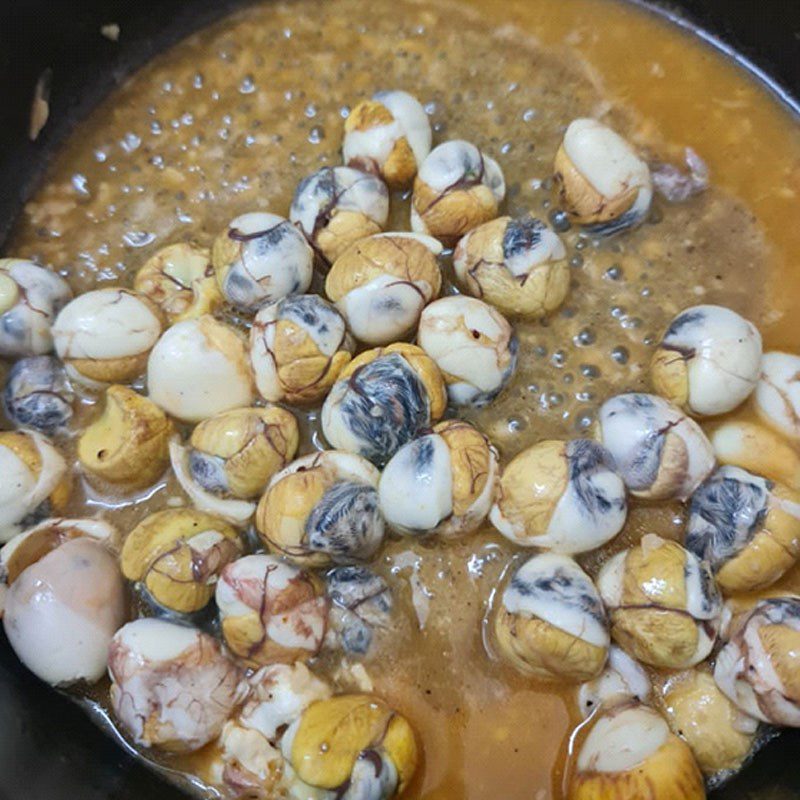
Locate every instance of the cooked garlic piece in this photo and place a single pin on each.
(550, 622)
(472, 344)
(106, 335)
(518, 265)
(30, 298)
(659, 452)
(384, 398)
(561, 496)
(180, 280)
(65, 598)
(199, 368)
(382, 283)
(603, 183)
(745, 527)
(323, 509)
(663, 603)
(37, 394)
(622, 681)
(298, 348)
(708, 361)
(337, 206)
(171, 685)
(389, 136)
(261, 258)
(178, 554)
(441, 483)
(457, 188)
(778, 393)
(271, 611)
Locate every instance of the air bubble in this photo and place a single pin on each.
(316, 134)
(620, 354)
(560, 221)
(310, 111)
(590, 371)
(584, 338)
(614, 272)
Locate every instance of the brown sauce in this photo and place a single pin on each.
(232, 118)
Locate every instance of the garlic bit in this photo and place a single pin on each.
(271, 611)
(172, 687)
(199, 368)
(323, 509)
(561, 496)
(603, 184)
(128, 444)
(65, 598)
(337, 206)
(35, 481)
(660, 453)
(389, 136)
(458, 187)
(518, 265)
(106, 335)
(382, 283)
(37, 394)
(177, 555)
(663, 603)
(180, 280)
(261, 258)
(746, 527)
(440, 483)
(778, 393)
(354, 746)
(759, 667)
(629, 754)
(550, 623)
(384, 398)
(708, 361)
(30, 298)
(298, 348)
(473, 345)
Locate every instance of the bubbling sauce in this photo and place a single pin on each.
(231, 119)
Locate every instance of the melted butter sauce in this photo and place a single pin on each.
(232, 118)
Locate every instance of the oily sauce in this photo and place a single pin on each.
(233, 117)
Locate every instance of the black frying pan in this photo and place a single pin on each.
(48, 749)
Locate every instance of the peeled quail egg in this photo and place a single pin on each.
(389, 135)
(778, 393)
(382, 283)
(621, 682)
(199, 368)
(178, 555)
(721, 737)
(663, 604)
(561, 496)
(384, 398)
(129, 442)
(105, 336)
(37, 394)
(443, 482)
(708, 361)
(298, 348)
(171, 685)
(323, 509)
(759, 667)
(353, 745)
(65, 598)
(659, 451)
(30, 298)
(270, 610)
(603, 183)
(180, 280)
(35, 481)
(457, 188)
(472, 344)
(746, 527)
(261, 258)
(337, 206)
(630, 754)
(361, 606)
(518, 265)
(550, 622)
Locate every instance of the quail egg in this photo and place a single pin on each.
(777, 393)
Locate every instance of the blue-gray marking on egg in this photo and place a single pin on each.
(585, 459)
(37, 394)
(208, 471)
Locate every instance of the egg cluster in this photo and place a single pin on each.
(276, 548)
